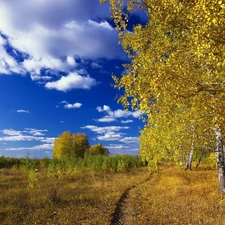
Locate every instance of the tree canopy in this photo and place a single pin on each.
(176, 75)
(70, 145)
(98, 149)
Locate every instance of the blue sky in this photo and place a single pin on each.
(56, 62)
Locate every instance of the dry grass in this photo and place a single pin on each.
(177, 197)
(171, 196)
(79, 198)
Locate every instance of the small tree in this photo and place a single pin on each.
(70, 145)
(98, 149)
(80, 144)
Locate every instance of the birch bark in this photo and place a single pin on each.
(220, 160)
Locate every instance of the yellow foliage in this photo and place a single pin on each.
(70, 145)
(176, 75)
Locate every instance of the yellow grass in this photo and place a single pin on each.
(174, 196)
(169, 197)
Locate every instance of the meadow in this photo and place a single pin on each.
(107, 190)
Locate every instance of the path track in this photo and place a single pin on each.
(125, 213)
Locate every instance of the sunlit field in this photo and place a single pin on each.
(120, 192)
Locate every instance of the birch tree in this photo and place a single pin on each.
(177, 68)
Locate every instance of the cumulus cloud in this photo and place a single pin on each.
(8, 64)
(114, 115)
(35, 132)
(48, 140)
(51, 33)
(73, 106)
(107, 133)
(111, 133)
(69, 105)
(129, 140)
(39, 36)
(123, 113)
(34, 65)
(102, 109)
(71, 61)
(110, 136)
(11, 132)
(28, 134)
(72, 81)
(21, 137)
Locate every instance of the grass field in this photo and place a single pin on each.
(87, 196)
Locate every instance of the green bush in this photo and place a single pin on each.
(98, 163)
(9, 162)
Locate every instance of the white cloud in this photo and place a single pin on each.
(110, 136)
(127, 121)
(11, 132)
(104, 108)
(71, 61)
(117, 146)
(136, 114)
(106, 119)
(22, 111)
(36, 77)
(129, 140)
(123, 148)
(73, 106)
(48, 140)
(28, 134)
(36, 147)
(51, 31)
(105, 129)
(35, 132)
(123, 113)
(69, 105)
(63, 102)
(34, 65)
(111, 133)
(107, 133)
(8, 64)
(104, 25)
(72, 81)
(113, 115)
(21, 137)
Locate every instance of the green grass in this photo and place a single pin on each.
(117, 163)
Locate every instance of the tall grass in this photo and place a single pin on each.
(98, 163)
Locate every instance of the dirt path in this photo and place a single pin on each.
(128, 207)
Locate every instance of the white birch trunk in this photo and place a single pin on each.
(220, 160)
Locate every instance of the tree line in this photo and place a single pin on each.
(176, 76)
(68, 146)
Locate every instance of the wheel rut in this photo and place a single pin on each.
(125, 213)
